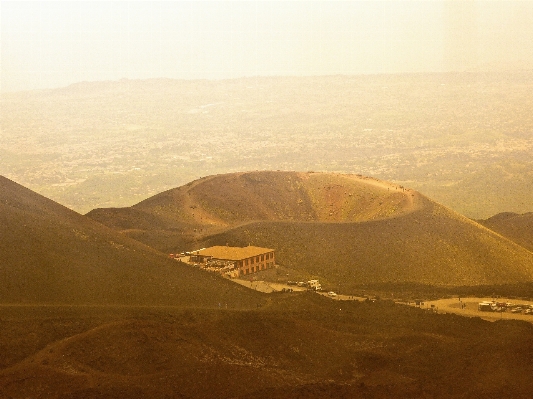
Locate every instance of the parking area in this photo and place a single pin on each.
(470, 307)
(267, 286)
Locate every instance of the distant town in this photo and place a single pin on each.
(446, 135)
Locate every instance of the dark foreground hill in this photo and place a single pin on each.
(298, 346)
(347, 230)
(518, 228)
(50, 254)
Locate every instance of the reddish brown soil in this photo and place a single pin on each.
(243, 197)
(346, 230)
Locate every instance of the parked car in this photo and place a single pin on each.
(518, 309)
(332, 294)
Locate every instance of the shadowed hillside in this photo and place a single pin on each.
(518, 228)
(51, 254)
(428, 247)
(299, 346)
(346, 229)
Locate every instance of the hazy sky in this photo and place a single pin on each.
(52, 44)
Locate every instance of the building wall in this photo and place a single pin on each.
(245, 266)
(257, 263)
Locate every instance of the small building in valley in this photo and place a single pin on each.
(246, 260)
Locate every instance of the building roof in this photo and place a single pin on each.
(232, 253)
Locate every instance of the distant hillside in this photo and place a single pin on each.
(518, 228)
(50, 254)
(463, 139)
(346, 229)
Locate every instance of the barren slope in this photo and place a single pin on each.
(300, 346)
(345, 229)
(242, 197)
(518, 228)
(430, 246)
(49, 253)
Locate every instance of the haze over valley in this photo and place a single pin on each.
(266, 199)
(463, 139)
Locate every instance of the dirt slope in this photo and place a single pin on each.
(518, 228)
(304, 346)
(242, 197)
(49, 253)
(428, 247)
(345, 229)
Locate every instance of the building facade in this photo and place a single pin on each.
(246, 260)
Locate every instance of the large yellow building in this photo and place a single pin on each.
(246, 260)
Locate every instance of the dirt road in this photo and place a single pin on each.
(266, 286)
(451, 305)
